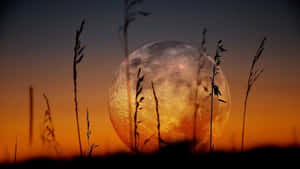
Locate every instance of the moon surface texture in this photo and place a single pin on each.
(172, 67)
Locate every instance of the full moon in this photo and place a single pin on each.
(172, 67)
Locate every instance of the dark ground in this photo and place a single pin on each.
(177, 156)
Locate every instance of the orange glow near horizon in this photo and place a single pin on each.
(272, 117)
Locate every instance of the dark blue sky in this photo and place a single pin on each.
(42, 32)
(34, 21)
(35, 35)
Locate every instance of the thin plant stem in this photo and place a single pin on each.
(198, 79)
(48, 133)
(215, 89)
(126, 54)
(244, 118)
(254, 74)
(157, 116)
(138, 101)
(78, 55)
(211, 112)
(88, 134)
(129, 16)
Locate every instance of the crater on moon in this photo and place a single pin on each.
(172, 66)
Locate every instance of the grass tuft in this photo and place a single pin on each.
(88, 135)
(214, 87)
(78, 56)
(48, 131)
(253, 76)
(202, 52)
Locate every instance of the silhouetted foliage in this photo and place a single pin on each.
(78, 56)
(148, 139)
(202, 52)
(48, 131)
(88, 135)
(214, 87)
(130, 14)
(253, 76)
(159, 140)
(138, 100)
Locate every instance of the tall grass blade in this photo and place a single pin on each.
(138, 101)
(78, 56)
(200, 65)
(88, 135)
(253, 76)
(48, 132)
(130, 15)
(215, 89)
(157, 116)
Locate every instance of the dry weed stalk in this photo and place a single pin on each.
(48, 131)
(200, 65)
(253, 76)
(214, 88)
(138, 100)
(157, 117)
(130, 14)
(88, 134)
(78, 56)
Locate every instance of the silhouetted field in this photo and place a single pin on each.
(175, 156)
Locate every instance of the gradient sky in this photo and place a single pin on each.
(36, 48)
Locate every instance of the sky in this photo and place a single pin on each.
(36, 48)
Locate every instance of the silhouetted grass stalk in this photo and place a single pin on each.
(88, 134)
(214, 88)
(48, 132)
(202, 52)
(129, 16)
(126, 53)
(138, 101)
(253, 76)
(78, 55)
(157, 116)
